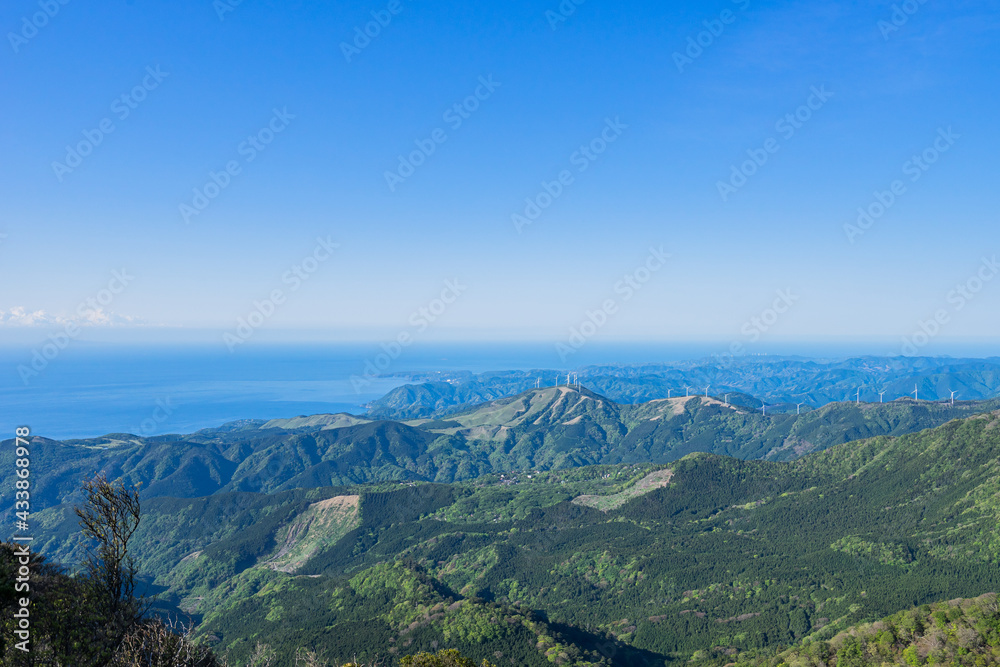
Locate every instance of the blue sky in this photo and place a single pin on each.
(555, 85)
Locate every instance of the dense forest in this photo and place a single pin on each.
(706, 558)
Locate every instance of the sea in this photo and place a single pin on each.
(91, 389)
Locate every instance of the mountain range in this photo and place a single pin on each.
(556, 525)
(706, 558)
(783, 382)
(540, 429)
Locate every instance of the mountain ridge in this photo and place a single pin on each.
(540, 429)
(778, 380)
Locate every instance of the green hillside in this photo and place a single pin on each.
(959, 632)
(541, 429)
(715, 558)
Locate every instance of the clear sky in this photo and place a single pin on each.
(311, 117)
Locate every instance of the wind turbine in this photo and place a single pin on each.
(727, 399)
(953, 399)
(706, 391)
(916, 393)
(880, 395)
(687, 391)
(668, 392)
(798, 408)
(763, 408)
(858, 400)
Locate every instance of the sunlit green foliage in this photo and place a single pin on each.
(957, 633)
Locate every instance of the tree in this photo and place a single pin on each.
(110, 518)
(92, 618)
(446, 658)
(262, 656)
(60, 629)
(153, 643)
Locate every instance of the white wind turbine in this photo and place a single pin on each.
(880, 395)
(916, 393)
(687, 391)
(706, 391)
(858, 400)
(953, 399)
(798, 408)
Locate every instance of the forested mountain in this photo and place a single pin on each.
(541, 429)
(708, 558)
(959, 632)
(777, 380)
(559, 526)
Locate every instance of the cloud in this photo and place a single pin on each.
(19, 316)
